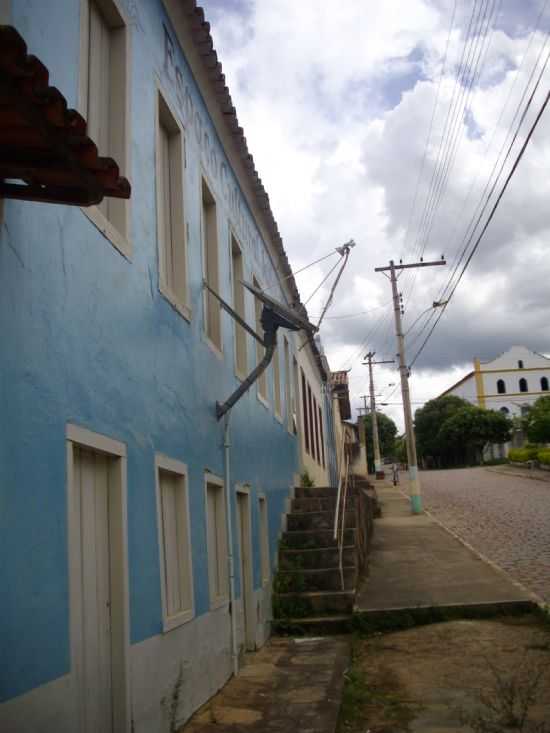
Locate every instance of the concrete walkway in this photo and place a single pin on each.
(289, 685)
(416, 563)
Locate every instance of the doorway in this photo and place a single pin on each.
(245, 554)
(98, 585)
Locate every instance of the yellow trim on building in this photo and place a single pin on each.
(479, 383)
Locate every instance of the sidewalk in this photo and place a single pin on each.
(416, 563)
(289, 685)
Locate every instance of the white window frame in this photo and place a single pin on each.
(277, 391)
(77, 436)
(164, 463)
(263, 531)
(121, 240)
(263, 396)
(178, 220)
(233, 240)
(222, 599)
(216, 348)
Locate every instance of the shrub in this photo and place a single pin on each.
(519, 455)
(543, 456)
(532, 450)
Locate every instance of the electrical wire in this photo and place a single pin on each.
(489, 219)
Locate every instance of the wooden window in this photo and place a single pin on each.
(239, 306)
(544, 384)
(277, 382)
(260, 350)
(175, 542)
(501, 386)
(311, 422)
(523, 385)
(321, 437)
(264, 540)
(520, 364)
(217, 541)
(316, 424)
(104, 101)
(170, 208)
(305, 413)
(211, 266)
(288, 400)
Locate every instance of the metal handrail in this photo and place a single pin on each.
(340, 466)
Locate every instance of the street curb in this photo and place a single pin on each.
(540, 602)
(517, 475)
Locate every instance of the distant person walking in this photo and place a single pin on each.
(395, 473)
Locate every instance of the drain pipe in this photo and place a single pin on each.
(270, 340)
(230, 558)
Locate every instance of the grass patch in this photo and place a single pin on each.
(373, 701)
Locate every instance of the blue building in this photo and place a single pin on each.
(115, 474)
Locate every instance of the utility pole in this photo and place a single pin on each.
(416, 498)
(363, 433)
(375, 438)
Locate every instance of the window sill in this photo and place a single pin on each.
(239, 375)
(172, 622)
(212, 346)
(262, 400)
(101, 223)
(278, 417)
(182, 308)
(219, 602)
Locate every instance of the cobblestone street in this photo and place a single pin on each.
(506, 518)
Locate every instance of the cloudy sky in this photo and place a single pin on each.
(383, 122)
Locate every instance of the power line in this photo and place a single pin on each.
(489, 219)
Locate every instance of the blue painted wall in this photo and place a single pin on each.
(88, 339)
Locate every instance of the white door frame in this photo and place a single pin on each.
(81, 437)
(247, 583)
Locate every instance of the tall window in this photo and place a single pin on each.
(316, 430)
(211, 266)
(288, 405)
(544, 384)
(501, 386)
(104, 89)
(523, 385)
(277, 382)
(264, 540)
(239, 306)
(217, 541)
(311, 421)
(177, 586)
(305, 413)
(322, 437)
(520, 364)
(260, 350)
(170, 216)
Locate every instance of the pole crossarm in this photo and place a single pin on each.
(400, 266)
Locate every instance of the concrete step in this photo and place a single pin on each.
(320, 504)
(316, 520)
(314, 603)
(314, 625)
(315, 538)
(320, 579)
(324, 557)
(315, 492)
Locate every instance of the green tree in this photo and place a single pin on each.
(470, 429)
(428, 421)
(387, 430)
(537, 421)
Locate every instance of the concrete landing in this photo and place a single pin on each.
(289, 685)
(416, 563)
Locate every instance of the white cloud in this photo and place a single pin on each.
(337, 126)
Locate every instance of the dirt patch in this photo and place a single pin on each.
(454, 676)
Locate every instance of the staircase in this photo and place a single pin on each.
(308, 594)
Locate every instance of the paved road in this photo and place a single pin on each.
(506, 518)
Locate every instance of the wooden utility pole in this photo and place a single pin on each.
(416, 498)
(374, 418)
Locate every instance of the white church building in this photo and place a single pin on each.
(511, 383)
